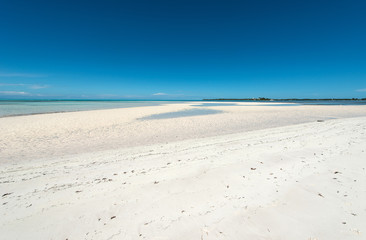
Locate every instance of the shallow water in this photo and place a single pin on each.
(214, 104)
(15, 108)
(247, 105)
(29, 107)
(276, 104)
(291, 103)
(184, 113)
(334, 102)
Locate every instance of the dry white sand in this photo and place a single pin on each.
(105, 175)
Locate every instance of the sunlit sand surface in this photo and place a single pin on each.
(234, 172)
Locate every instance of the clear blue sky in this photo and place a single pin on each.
(182, 49)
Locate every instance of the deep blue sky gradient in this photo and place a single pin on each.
(182, 49)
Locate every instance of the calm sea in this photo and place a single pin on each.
(28, 107)
(15, 108)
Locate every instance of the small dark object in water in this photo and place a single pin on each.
(253, 168)
(336, 172)
(113, 217)
(321, 195)
(320, 120)
(156, 182)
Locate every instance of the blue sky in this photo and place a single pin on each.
(182, 49)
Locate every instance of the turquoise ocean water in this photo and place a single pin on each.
(28, 107)
(15, 108)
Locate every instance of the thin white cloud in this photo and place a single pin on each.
(13, 93)
(35, 86)
(167, 94)
(361, 90)
(12, 84)
(108, 95)
(31, 86)
(26, 75)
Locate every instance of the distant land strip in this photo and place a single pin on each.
(285, 99)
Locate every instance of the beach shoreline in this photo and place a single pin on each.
(57, 134)
(249, 183)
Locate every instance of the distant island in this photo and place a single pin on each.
(285, 99)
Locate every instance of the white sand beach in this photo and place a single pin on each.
(249, 171)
